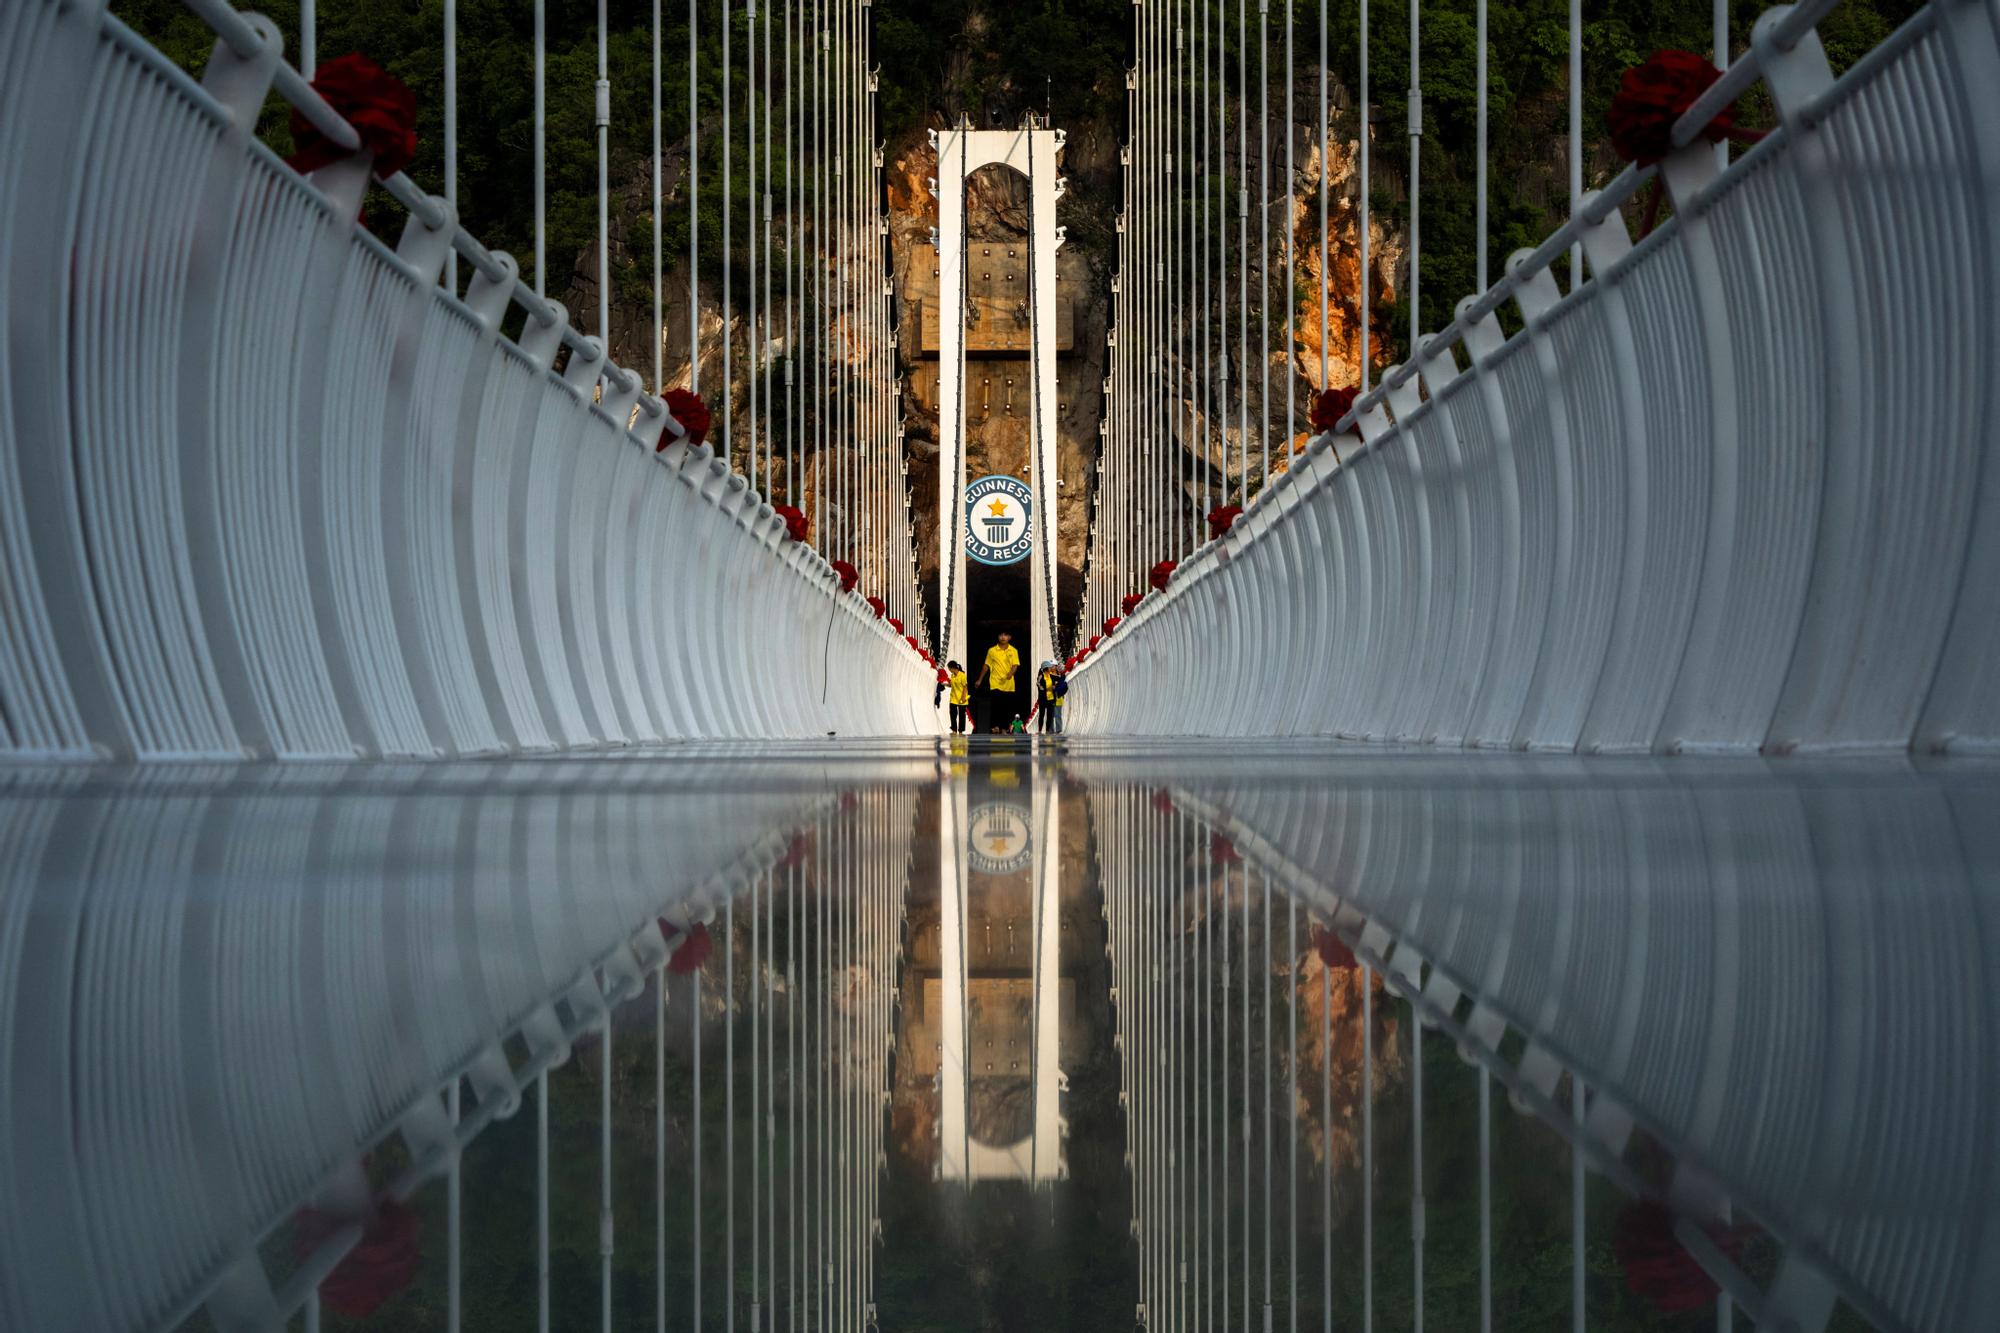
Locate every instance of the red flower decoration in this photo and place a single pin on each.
(910, 639)
(1652, 96)
(944, 677)
(795, 522)
(1658, 1267)
(382, 110)
(1221, 519)
(797, 850)
(691, 952)
(1131, 600)
(1330, 407)
(1163, 572)
(1333, 950)
(1110, 626)
(879, 607)
(1222, 850)
(1095, 639)
(692, 413)
(1163, 801)
(894, 623)
(849, 575)
(385, 1260)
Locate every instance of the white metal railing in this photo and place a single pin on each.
(1600, 920)
(269, 971)
(1730, 493)
(267, 488)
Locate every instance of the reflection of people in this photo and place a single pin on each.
(1002, 661)
(961, 694)
(1049, 689)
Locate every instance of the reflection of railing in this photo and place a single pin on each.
(308, 963)
(1734, 490)
(1781, 984)
(272, 489)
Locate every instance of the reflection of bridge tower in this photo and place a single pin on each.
(1034, 153)
(1000, 989)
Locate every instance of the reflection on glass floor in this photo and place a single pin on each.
(1001, 1038)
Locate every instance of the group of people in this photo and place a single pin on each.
(999, 706)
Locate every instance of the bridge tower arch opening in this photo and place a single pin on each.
(1002, 525)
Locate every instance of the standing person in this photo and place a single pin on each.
(961, 695)
(1003, 660)
(1050, 687)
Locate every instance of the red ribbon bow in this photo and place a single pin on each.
(691, 952)
(692, 413)
(1330, 407)
(380, 107)
(382, 1263)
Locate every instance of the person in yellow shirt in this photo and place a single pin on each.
(1002, 661)
(961, 695)
(1050, 687)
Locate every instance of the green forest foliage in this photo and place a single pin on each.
(943, 57)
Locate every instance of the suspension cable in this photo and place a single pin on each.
(694, 219)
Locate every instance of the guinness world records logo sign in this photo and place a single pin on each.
(997, 838)
(998, 527)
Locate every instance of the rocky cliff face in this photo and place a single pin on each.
(999, 423)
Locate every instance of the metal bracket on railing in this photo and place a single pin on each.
(1605, 242)
(586, 363)
(621, 393)
(540, 341)
(488, 297)
(1535, 293)
(242, 83)
(1482, 336)
(652, 422)
(422, 247)
(1798, 77)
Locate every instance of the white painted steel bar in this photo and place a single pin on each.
(372, 524)
(1601, 534)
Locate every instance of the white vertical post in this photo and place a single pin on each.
(1576, 1217)
(1367, 133)
(308, 66)
(1367, 1133)
(953, 1136)
(542, 1199)
(1479, 175)
(451, 132)
(1485, 1200)
(1417, 1164)
(660, 1150)
(1575, 134)
(604, 1214)
(1043, 146)
(953, 151)
(694, 221)
(659, 311)
(454, 1222)
(603, 180)
(1048, 1150)
(541, 190)
(1416, 112)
